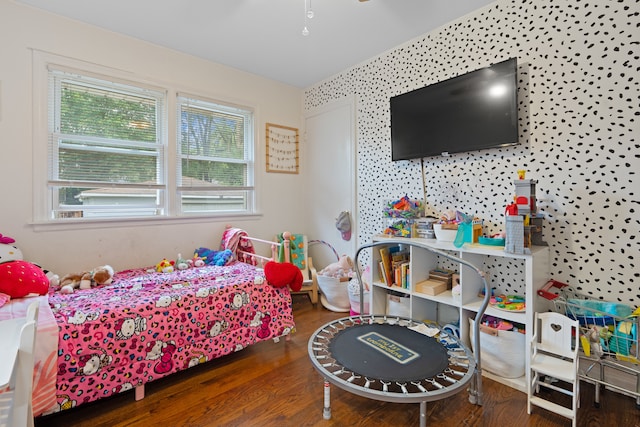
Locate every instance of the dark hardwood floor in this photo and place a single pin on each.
(275, 384)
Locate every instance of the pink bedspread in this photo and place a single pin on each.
(145, 326)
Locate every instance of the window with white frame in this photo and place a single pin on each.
(108, 151)
(215, 167)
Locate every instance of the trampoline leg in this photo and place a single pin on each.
(479, 401)
(423, 414)
(326, 412)
(475, 389)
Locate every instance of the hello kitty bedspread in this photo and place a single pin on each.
(145, 326)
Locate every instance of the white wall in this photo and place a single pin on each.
(126, 245)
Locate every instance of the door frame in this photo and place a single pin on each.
(352, 173)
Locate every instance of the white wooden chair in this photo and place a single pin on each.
(554, 356)
(293, 248)
(298, 254)
(16, 369)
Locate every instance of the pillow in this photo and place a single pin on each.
(21, 278)
(281, 274)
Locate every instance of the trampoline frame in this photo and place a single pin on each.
(473, 375)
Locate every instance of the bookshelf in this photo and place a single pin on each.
(444, 306)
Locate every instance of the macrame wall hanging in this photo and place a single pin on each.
(282, 149)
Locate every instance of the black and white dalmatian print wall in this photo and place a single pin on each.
(579, 113)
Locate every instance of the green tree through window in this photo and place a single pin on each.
(107, 151)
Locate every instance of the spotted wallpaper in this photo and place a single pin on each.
(579, 112)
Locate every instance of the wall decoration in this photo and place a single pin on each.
(282, 149)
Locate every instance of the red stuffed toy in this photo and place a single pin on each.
(20, 278)
(281, 274)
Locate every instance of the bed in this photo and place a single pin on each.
(147, 325)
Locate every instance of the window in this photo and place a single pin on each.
(106, 148)
(109, 152)
(215, 169)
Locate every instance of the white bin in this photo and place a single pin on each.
(354, 297)
(502, 352)
(398, 305)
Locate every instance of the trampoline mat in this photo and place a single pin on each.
(389, 352)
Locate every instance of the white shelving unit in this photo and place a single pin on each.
(534, 275)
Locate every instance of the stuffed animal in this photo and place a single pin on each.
(54, 279)
(165, 266)
(8, 252)
(183, 264)
(19, 278)
(281, 274)
(212, 257)
(102, 275)
(342, 268)
(197, 261)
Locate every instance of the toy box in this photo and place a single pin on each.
(431, 287)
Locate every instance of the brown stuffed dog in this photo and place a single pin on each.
(102, 275)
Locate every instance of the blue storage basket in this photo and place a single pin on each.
(592, 312)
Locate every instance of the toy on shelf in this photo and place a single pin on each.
(501, 324)
(401, 215)
(403, 208)
(514, 303)
(458, 227)
(399, 228)
(522, 217)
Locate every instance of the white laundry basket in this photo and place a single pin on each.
(335, 296)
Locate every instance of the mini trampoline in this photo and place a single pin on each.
(396, 359)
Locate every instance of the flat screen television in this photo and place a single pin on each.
(472, 111)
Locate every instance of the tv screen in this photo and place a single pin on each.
(473, 111)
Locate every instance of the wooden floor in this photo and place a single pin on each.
(275, 384)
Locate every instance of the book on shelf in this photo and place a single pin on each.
(394, 266)
(400, 270)
(398, 254)
(382, 274)
(400, 264)
(405, 274)
(385, 259)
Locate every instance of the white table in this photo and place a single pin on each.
(9, 342)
